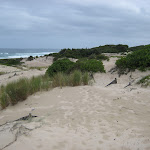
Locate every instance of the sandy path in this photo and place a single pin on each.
(82, 118)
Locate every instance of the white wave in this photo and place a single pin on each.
(25, 55)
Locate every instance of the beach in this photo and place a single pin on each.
(91, 117)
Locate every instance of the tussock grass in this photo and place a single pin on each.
(1, 73)
(76, 78)
(19, 90)
(60, 79)
(85, 78)
(38, 68)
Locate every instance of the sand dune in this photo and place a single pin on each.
(91, 117)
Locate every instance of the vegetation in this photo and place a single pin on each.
(139, 59)
(11, 62)
(91, 65)
(89, 52)
(30, 58)
(1, 73)
(67, 66)
(145, 81)
(19, 90)
(141, 47)
(38, 68)
(62, 65)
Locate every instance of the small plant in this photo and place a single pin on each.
(38, 68)
(145, 81)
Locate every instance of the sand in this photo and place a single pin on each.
(28, 69)
(92, 117)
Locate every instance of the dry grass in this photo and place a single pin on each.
(19, 90)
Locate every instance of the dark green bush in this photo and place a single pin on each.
(30, 58)
(11, 62)
(91, 65)
(136, 60)
(63, 65)
(89, 52)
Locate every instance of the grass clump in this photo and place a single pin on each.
(19, 90)
(38, 68)
(76, 78)
(85, 78)
(2, 73)
(60, 79)
(145, 81)
(4, 100)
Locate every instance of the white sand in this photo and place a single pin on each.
(82, 118)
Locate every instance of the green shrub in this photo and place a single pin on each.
(11, 62)
(63, 65)
(30, 58)
(91, 65)
(137, 60)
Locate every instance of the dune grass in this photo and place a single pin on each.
(2, 73)
(19, 90)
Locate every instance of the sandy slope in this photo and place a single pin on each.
(13, 73)
(82, 118)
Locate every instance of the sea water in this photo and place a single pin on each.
(6, 53)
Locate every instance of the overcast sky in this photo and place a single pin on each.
(73, 23)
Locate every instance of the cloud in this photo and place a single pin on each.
(75, 20)
(14, 18)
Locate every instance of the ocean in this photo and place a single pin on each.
(6, 53)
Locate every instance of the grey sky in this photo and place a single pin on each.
(73, 23)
